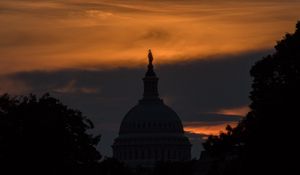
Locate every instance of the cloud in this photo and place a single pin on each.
(11, 86)
(53, 35)
(71, 87)
(235, 111)
(98, 14)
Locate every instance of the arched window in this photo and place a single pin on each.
(130, 154)
(174, 154)
(156, 154)
(149, 156)
(135, 154)
(142, 154)
(169, 155)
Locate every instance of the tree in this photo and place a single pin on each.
(43, 136)
(111, 166)
(265, 139)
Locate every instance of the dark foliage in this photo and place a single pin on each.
(264, 141)
(111, 166)
(175, 168)
(43, 136)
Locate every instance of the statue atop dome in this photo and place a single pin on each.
(150, 57)
(150, 72)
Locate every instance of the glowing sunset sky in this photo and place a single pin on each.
(56, 34)
(91, 54)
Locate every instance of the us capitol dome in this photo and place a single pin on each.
(151, 131)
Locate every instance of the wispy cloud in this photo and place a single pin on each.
(235, 111)
(71, 88)
(11, 86)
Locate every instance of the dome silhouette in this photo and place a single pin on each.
(152, 117)
(151, 131)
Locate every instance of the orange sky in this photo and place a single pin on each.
(207, 128)
(87, 34)
(214, 128)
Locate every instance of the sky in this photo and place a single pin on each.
(92, 54)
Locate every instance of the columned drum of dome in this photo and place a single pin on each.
(151, 131)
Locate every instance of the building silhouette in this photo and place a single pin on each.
(151, 131)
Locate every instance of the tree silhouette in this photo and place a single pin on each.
(175, 168)
(266, 138)
(43, 136)
(111, 166)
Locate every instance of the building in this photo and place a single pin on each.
(151, 131)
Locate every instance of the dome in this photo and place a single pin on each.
(151, 117)
(151, 131)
